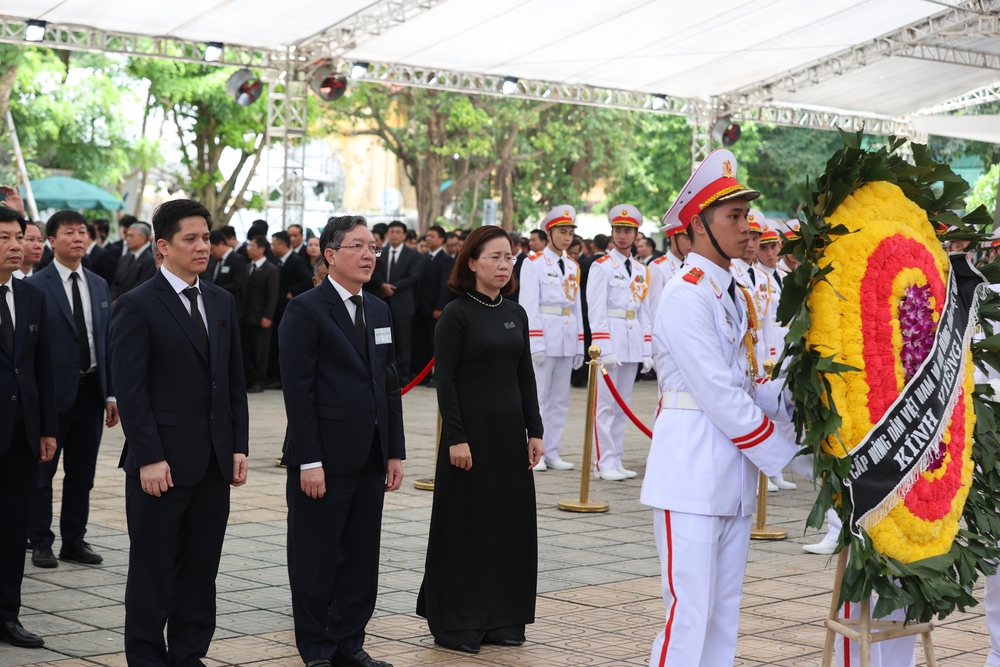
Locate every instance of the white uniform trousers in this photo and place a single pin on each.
(702, 561)
(552, 381)
(890, 653)
(992, 605)
(609, 427)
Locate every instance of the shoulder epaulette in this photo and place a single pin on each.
(534, 256)
(694, 276)
(602, 259)
(660, 259)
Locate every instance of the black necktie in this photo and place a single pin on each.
(218, 267)
(753, 278)
(253, 269)
(392, 265)
(6, 319)
(628, 267)
(359, 321)
(777, 278)
(199, 324)
(562, 267)
(81, 324)
(732, 290)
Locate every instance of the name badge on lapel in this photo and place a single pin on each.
(383, 336)
(104, 304)
(32, 328)
(225, 269)
(223, 324)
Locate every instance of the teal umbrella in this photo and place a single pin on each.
(64, 192)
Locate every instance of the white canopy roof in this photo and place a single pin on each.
(867, 57)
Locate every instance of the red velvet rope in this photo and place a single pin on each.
(625, 408)
(420, 378)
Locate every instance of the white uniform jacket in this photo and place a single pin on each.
(713, 430)
(774, 333)
(618, 307)
(661, 270)
(552, 300)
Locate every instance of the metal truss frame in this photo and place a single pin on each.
(967, 19)
(972, 98)
(287, 98)
(370, 22)
(83, 38)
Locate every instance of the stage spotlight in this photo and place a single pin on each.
(659, 101)
(34, 31)
(725, 132)
(326, 83)
(359, 70)
(244, 87)
(509, 85)
(213, 52)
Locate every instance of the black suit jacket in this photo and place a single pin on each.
(335, 392)
(303, 254)
(293, 271)
(100, 262)
(26, 371)
(131, 274)
(432, 288)
(260, 294)
(46, 259)
(176, 403)
(232, 276)
(64, 336)
(404, 276)
(521, 256)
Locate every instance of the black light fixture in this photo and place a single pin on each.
(509, 86)
(34, 31)
(327, 83)
(213, 52)
(244, 87)
(359, 70)
(725, 132)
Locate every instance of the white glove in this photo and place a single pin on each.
(610, 361)
(538, 358)
(647, 364)
(577, 361)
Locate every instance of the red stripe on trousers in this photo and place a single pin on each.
(847, 642)
(670, 585)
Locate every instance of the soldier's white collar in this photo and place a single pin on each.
(740, 264)
(765, 268)
(671, 256)
(616, 254)
(551, 255)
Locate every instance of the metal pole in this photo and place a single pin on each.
(28, 192)
(762, 531)
(584, 503)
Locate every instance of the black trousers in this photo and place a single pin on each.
(256, 342)
(423, 340)
(18, 468)
(333, 552)
(78, 441)
(175, 545)
(402, 330)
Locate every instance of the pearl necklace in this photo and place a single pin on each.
(488, 305)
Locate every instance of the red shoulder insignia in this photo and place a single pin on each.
(534, 256)
(602, 259)
(694, 276)
(660, 259)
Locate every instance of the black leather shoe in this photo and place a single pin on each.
(359, 659)
(464, 648)
(255, 389)
(319, 663)
(273, 384)
(504, 642)
(43, 557)
(14, 634)
(80, 553)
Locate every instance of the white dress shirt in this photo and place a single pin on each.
(179, 285)
(352, 310)
(141, 250)
(21, 275)
(90, 248)
(221, 263)
(65, 274)
(10, 301)
(259, 263)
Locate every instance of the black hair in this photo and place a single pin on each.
(379, 228)
(228, 231)
(168, 215)
(297, 226)
(283, 237)
(601, 242)
(7, 214)
(63, 218)
(217, 237)
(541, 235)
(336, 229)
(397, 223)
(126, 221)
(438, 229)
(261, 242)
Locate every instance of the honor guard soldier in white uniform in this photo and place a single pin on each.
(663, 268)
(789, 231)
(714, 430)
(618, 310)
(742, 267)
(550, 295)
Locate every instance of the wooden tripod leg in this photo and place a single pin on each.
(831, 635)
(865, 629)
(925, 639)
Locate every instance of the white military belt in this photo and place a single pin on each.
(556, 310)
(621, 314)
(678, 400)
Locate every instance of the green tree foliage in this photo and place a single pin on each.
(208, 123)
(984, 192)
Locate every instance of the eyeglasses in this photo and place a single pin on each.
(357, 247)
(498, 259)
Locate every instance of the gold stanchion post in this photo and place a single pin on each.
(584, 503)
(427, 483)
(762, 531)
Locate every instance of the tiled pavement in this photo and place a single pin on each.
(598, 584)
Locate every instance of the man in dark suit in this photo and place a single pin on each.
(294, 271)
(79, 309)
(260, 298)
(118, 249)
(402, 268)
(344, 448)
(432, 296)
(138, 265)
(297, 241)
(178, 371)
(226, 269)
(28, 422)
(519, 257)
(97, 259)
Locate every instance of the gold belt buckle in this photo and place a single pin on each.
(629, 314)
(567, 311)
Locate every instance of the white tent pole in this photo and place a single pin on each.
(29, 194)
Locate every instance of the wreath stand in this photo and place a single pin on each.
(860, 629)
